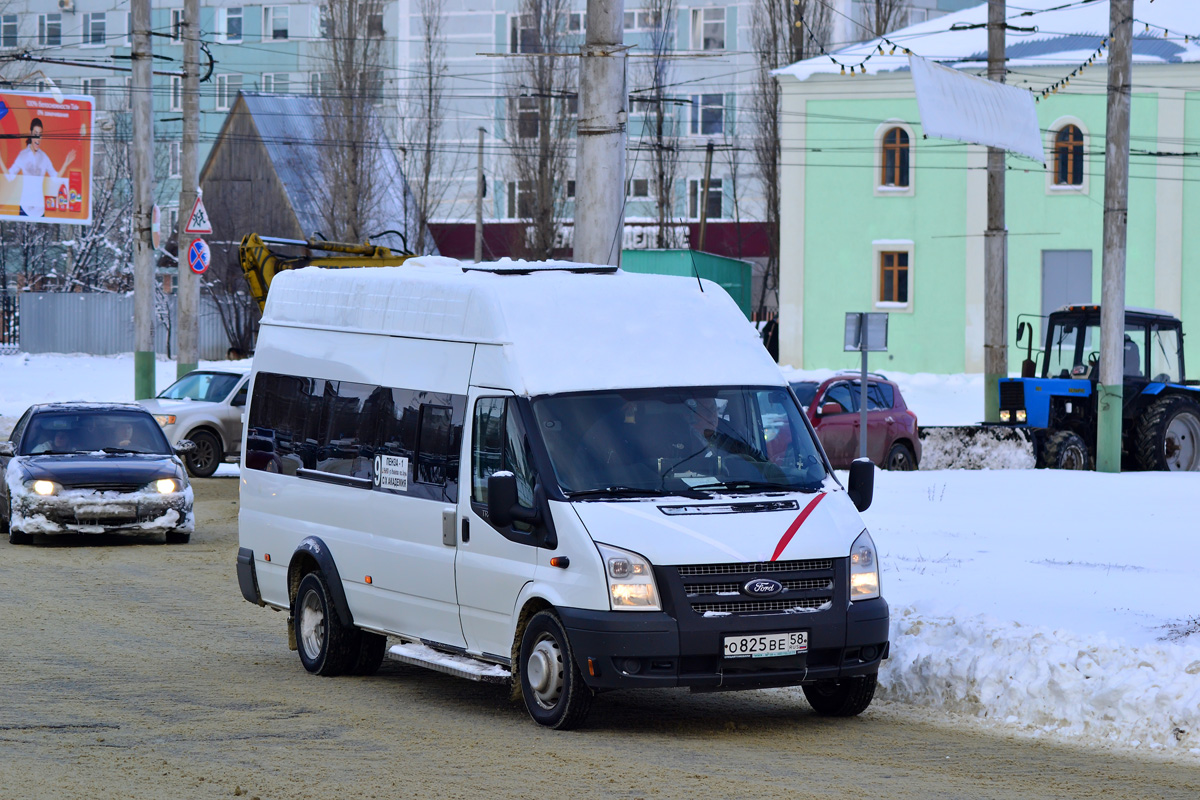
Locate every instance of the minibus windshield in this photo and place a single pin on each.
(648, 442)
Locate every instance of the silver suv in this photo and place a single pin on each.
(206, 407)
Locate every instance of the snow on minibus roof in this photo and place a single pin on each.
(562, 330)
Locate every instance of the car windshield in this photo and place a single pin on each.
(669, 441)
(93, 431)
(211, 387)
(805, 391)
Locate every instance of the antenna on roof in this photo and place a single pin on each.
(696, 270)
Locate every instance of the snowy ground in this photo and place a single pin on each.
(1056, 604)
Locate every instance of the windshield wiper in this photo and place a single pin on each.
(120, 450)
(766, 486)
(620, 491)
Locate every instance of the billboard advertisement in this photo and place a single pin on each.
(46, 150)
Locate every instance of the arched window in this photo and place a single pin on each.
(895, 158)
(1068, 156)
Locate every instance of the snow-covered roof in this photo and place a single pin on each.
(1066, 36)
(290, 129)
(561, 330)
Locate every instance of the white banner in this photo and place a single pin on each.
(975, 110)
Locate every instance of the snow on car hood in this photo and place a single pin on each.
(87, 468)
(794, 526)
(159, 405)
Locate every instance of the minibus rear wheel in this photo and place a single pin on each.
(847, 697)
(551, 683)
(326, 646)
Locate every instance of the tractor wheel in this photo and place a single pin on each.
(1167, 435)
(1066, 450)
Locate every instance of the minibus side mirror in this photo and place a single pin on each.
(862, 483)
(503, 507)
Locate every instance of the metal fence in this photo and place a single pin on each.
(102, 324)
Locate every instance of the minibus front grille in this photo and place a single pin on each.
(721, 589)
(694, 589)
(800, 604)
(690, 570)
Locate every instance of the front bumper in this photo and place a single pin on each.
(74, 512)
(680, 647)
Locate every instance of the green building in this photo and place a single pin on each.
(878, 218)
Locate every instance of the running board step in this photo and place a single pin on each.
(459, 666)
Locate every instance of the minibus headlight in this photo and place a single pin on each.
(864, 569)
(631, 584)
(1005, 415)
(1021, 415)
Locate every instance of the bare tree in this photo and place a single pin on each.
(543, 91)
(351, 130)
(661, 137)
(424, 162)
(224, 282)
(884, 16)
(100, 255)
(783, 31)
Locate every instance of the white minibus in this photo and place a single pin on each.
(568, 477)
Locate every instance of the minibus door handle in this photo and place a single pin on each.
(449, 527)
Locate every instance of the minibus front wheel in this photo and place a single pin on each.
(847, 697)
(326, 646)
(551, 684)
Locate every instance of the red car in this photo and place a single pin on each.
(833, 407)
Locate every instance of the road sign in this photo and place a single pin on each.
(866, 331)
(156, 227)
(198, 256)
(198, 222)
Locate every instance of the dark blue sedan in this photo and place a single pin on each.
(92, 468)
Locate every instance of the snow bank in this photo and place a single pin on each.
(1046, 681)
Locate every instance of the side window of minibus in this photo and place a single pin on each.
(498, 442)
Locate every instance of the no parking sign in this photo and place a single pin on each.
(198, 256)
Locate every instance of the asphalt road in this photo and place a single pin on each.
(134, 669)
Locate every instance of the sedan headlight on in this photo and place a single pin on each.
(864, 569)
(164, 486)
(164, 419)
(631, 584)
(43, 488)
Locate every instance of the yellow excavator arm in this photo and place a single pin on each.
(261, 264)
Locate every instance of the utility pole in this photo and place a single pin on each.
(1111, 391)
(143, 205)
(188, 296)
(600, 151)
(995, 254)
(708, 154)
(479, 201)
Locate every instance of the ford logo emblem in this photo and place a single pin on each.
(762, 587)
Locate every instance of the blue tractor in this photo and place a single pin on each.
(1161, 417)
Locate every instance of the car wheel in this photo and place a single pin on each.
(371, 648)
(900, 458)
(847, 697)
(203, 461)
(178, 537)
(15, 536)
(326, 646)
(551, 684)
